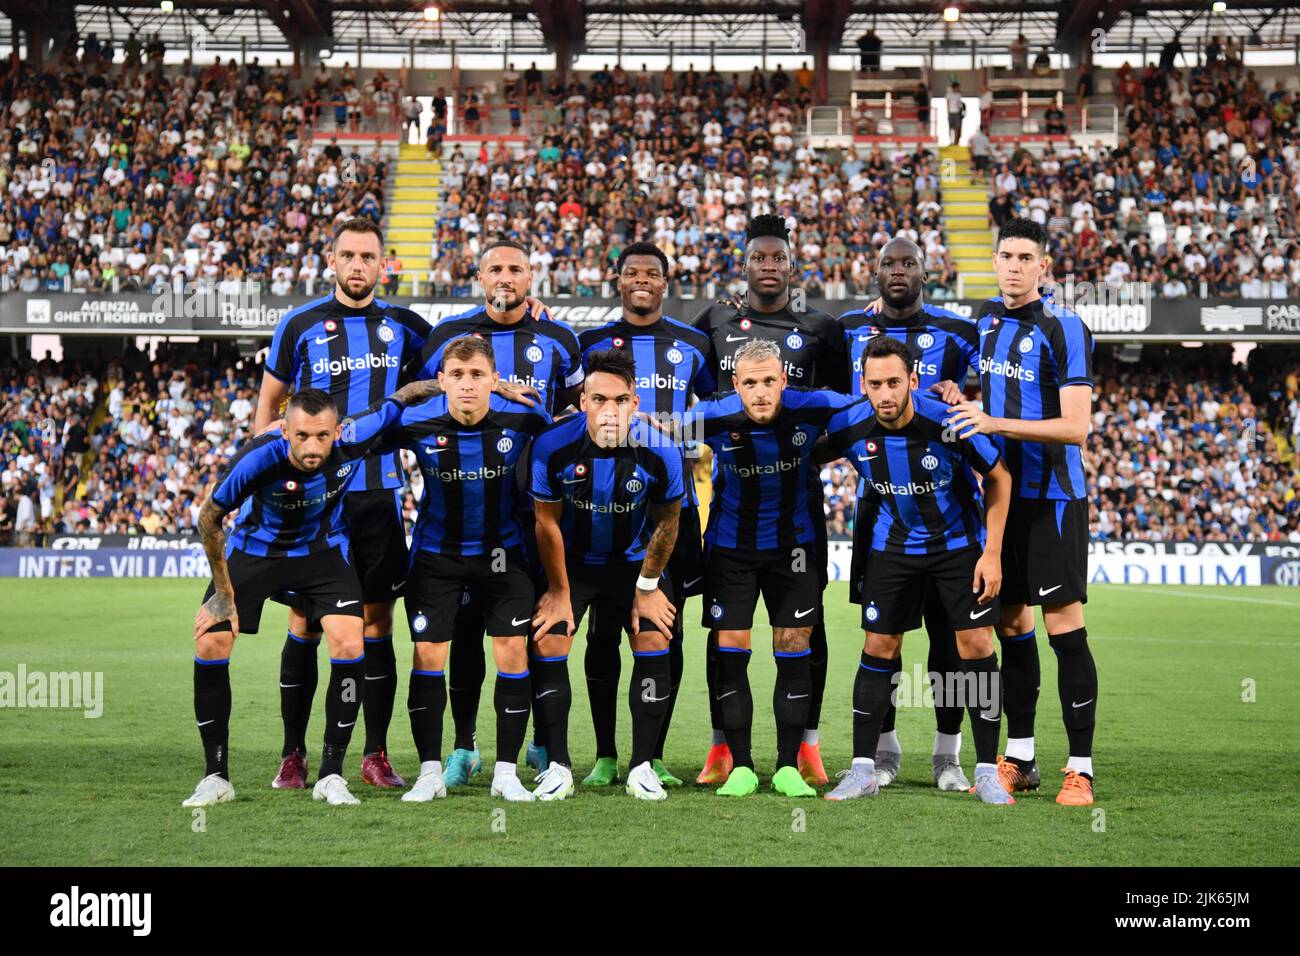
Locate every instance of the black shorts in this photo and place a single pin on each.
(378, 537)
(323, 583)
(1045, 552)
(686, 563)
(896, 586)
(610, 589)
(788, 578)
(497, 586)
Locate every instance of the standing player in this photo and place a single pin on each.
(812, 354)
(607, 492)
(1036, 377)
(929, 535)
(467, 538)
(946, 347)
(761, 538)
(352, 346)
(288, 537)
(537, 356)
(672, 360)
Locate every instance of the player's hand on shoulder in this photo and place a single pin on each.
(274, 427)
(734, 301)
(413, 392)
(538, 309)
(516, 392)
(949, 392)
(968, 420)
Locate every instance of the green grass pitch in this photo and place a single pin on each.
(1189, 773)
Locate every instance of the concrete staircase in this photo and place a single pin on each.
(413, 211)
(965, 223)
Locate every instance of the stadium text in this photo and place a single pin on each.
(57, 690)
(103, 909)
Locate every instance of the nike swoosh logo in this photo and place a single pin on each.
(378, 677)
(862, 712)
(509, 711)
(795, 696)
(1084, 704)
(214, 720)
(573, 481)
(328, 338)
(433, 451)
(1042, 593)
(737, 338)
(394, 587)
(287, 686)
(976, 617)
(987, 332)
(799, 614)
(657, 699)
(553, 690)
(515, 623)
(864, 338)
(412, 710)
(345, 603)
(991, 720)
(343, 726)
(731, 447)
(727, 694)
(867, 457)
(687, 584)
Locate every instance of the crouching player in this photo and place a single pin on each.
(288, 537)
(607, 493)
(930, 531)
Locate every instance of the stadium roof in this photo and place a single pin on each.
(650, 26)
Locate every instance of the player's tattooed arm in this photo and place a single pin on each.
(517, 392)
(654, 606)
(221, 606)
(413, 392)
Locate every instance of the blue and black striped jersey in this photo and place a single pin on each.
(287, 512)
(921, 474)
(536, 352)
(356, 355)
(608, 493)
(761, 473)
(1027, 355)
(471, 473)
(947, 347)
(672, 360)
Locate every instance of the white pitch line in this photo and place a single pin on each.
(1203, 597)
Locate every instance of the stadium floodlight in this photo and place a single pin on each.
(432, 13)
(167, 6)
(1218, 7)
(951, 13)
(326, 52)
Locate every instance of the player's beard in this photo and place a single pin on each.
(346, 289)
(768, 299)
(902, 410)
(504, 298)
(653, 305)
(906, 301)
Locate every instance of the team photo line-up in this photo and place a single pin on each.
(557, 484)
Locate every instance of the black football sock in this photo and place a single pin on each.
(512, 699)
(676, 664)
(944, 664)
(381, 690)
(872, 688)
(298, 678)
(790, 701)
(343, 699)
(713, 678)
(737, 703)
(468, 669)
(552, 698)
(983, 692)
(1076, 682)
(212, 713)
(895, 668)
(426, 701)
(1020, 677)
(817, 663)
(648, 697)
(603, 665)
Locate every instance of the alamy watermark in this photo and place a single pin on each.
(56, 690)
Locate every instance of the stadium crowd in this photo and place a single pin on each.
(140, 180)
(1200, 197)
(684, 160)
